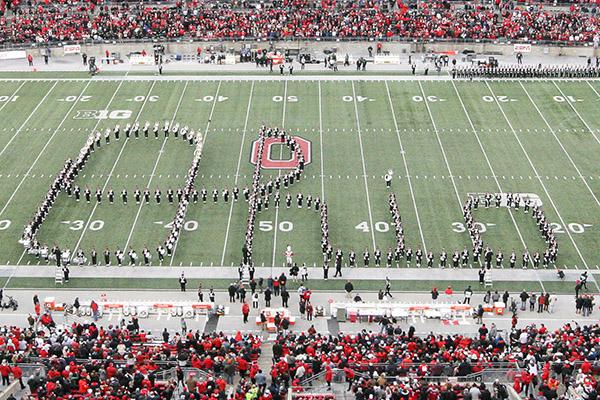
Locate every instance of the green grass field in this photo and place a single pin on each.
(442, 139)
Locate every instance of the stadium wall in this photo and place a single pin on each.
(317, 48)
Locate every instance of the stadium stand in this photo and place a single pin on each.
(430, 20)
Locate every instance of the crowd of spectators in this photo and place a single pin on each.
(538, 360)
(291, 19)
(125, 362)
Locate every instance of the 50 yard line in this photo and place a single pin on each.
(160, 153)
(87, 223)
(212, 110)
(237, 173)
(275, 227)
(364, 168)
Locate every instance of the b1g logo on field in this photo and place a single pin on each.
(269, 163)
(102, 114)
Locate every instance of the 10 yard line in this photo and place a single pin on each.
(237, 173)
(212, 110)
(561, 145)
(538, 176)
(275, 227)
(160, 153)
(410, 187)
(87, 223)
(362, 157)
(574, 109)
(29, 117)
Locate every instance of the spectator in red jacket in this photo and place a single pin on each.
(245, 311)
(18, 375)
(5, 372)
(328, 376)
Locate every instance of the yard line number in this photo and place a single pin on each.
(562, 99)
(284, 226)
(380, 226)
(4, 224)
(8, 98)
(501, 99)
(78, 225)
(190, 225)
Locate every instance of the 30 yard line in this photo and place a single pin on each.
(237, 172)
(43, 148)
(537, 175)
(275, 227)
(29, 117)
(437, 135)
(87, 222)
(212, 110)
(402, 153)
(364, 168)
(160, 153)
(321, 145)
(561, 145)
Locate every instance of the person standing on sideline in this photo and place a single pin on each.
(182, 282)
(348, 287)
(468, 295)
(434, 295)
(30, 60)
(245, 311)
(183, 326)
(200, 294)
(449, 293)
(388, 287)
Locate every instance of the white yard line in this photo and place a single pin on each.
(402, 153)
(364, 168)
(275, 227)
(538, 176)
(28, 118)
(237, 173)
(561, 146)
(43, 148)
(149, 184)
(321, 144)
(437, 135)
(12, 96)
(512, 217)
(87, 222)
(210, 116)
(593, 88)
(589, 128)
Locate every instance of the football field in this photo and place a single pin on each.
(443, 140)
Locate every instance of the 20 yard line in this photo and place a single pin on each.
(28, 118)
(237, 172)
(87, 223)
(160, 153)
(364, 168)
(402, 152)
(43, 148)
(212, 110)
(537, 175)
(275, 227)
(561, 145)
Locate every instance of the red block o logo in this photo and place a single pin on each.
(269, 163)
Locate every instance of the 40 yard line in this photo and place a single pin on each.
(160, 153)
(87, 222)
(212, 110)
(364, 168)
(237, 173)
